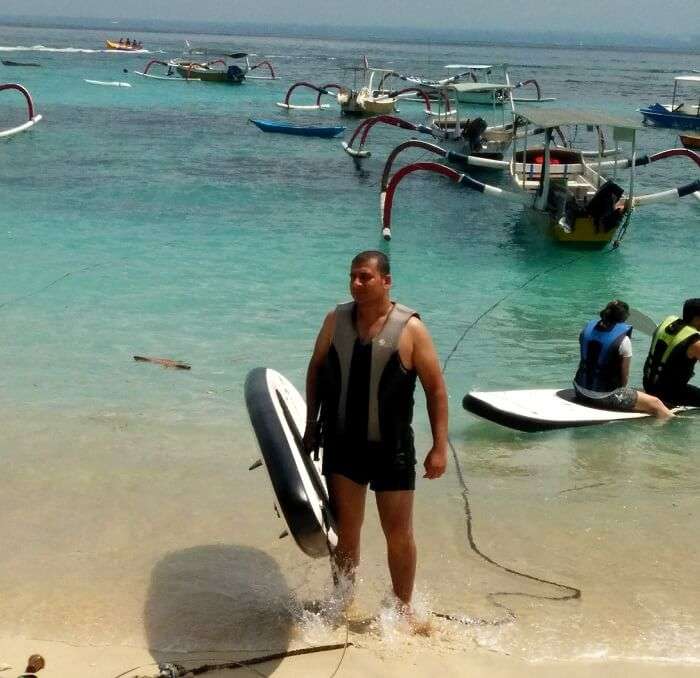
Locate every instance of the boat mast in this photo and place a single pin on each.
(543, 196)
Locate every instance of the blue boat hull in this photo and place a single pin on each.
(298, 130)
(658, 116)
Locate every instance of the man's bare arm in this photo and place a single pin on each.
(625, 370)
(318, 357)
(427, 366)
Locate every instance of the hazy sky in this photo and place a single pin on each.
(664, 17)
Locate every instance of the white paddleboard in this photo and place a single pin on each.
(278, 415)
(541, 409)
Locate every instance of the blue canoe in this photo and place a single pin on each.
(300, 130)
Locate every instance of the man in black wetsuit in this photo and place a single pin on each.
(674, 350)
(361, 379)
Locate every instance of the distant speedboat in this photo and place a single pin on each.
(678, 114)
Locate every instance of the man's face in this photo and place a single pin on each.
(695, 322)
(367, 284)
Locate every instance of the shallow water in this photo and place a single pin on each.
(154, 220)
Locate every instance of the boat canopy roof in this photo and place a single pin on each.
(477, 86)
(555, 117)
(687, 78)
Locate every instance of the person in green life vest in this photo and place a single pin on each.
(674, 350)
(361, 378)
(603, 372)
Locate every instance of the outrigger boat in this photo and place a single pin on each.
(467, 137)
(32, 116)
(478, 88)
(574, 201)
(186, 69)
(352, 102)
(370, 98)
(678, 113)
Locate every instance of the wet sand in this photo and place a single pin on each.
(133, 541)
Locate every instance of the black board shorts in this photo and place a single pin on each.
(370, 464)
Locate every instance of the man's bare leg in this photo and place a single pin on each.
(348, 505)
(652, 405)
(396, 516)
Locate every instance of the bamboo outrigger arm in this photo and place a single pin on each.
(302, 83)
(386, 197)
(33, 116)
(365, 126)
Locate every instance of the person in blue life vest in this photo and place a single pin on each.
(603, 372)
(361, 380)
(674, 350)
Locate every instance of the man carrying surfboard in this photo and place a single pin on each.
(606, 354)
(674, 350)
(361, 379)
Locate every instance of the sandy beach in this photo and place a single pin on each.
(134, 543)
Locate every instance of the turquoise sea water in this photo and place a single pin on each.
(155, 220)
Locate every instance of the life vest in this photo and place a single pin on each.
(389, 386)
(599, 369)
(668, 366)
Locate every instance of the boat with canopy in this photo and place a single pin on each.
(678, 114)
(479, 85)
(472, 137)
(218, 69)
(565, 189)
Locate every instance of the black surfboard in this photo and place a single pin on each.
(278, 416)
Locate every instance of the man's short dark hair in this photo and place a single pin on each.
(691, 308)
(383, 265)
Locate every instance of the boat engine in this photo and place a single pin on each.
(235, 74)
(473, 133)
(603, 206)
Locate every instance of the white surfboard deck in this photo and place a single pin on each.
(541, 409)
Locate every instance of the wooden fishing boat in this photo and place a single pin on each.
(690, 140)
(478, 84)
(280, 127)
(563, 188)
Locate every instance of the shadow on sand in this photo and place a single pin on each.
(216, 602)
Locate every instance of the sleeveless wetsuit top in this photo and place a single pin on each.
(366, 393)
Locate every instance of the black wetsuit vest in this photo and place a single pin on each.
(668, 367)
(366, 393)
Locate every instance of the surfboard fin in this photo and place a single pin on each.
(284, 534)
(256, 464)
